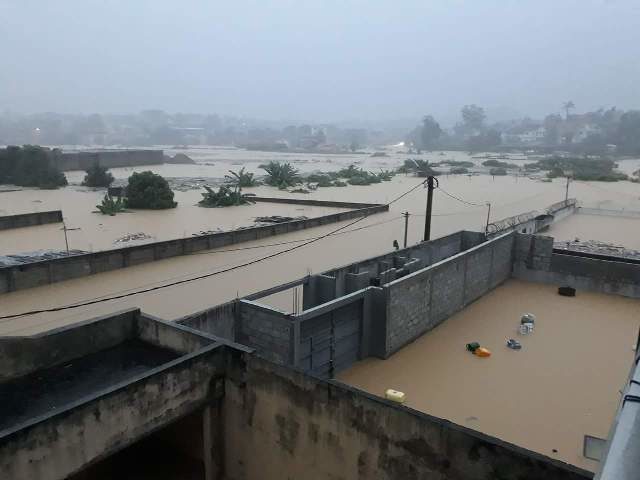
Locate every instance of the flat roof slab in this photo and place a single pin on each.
(562, 385)
(45, 391)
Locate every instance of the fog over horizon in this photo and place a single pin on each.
(319, 61)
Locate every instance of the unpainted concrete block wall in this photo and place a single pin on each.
(220, 320)
(535, 261)
(267, 330)
(417, 303)
(280, 424)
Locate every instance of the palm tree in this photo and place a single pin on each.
(568, 106)
(281, 175)
(241, 179)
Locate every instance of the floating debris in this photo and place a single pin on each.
(278, 219)
(37, 256)
(133, 237)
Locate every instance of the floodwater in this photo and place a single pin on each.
(508, 196)
(562, 385)
(623, 231)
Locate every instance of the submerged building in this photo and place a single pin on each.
(289, 382)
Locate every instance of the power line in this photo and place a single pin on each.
(462, 200)
(200, 277)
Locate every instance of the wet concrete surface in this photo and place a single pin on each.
(46, 391)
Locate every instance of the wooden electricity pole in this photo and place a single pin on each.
(432, 183)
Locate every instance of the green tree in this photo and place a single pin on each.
(566, 106)
(473, 117)
(430, 132)
(111, 206)
(149, 191)
(97, 176)
(30, 166)
(627, 136)
(224, 197)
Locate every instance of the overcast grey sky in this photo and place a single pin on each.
(318, 60)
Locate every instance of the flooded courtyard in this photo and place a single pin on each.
(565, 382)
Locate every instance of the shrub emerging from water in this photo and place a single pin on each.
(585, 169)
(419, 167)
(149, 191)
(111, 206)
(224, 197)
(241, 178)
(97, 176)
(281, 175)
(458, 170)
(498, 172)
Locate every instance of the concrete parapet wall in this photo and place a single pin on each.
(280, 423)
(220, 320)
(537, 261)
(422, 300)
(71, 438)
(267, 330)
(44, 272)
(20, 356)
(30, 219)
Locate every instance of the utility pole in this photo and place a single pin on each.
(406, 227)
(566, 193)
(65, 230)
(486, 228)
(432, 183)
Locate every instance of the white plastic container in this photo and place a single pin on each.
(394, 395)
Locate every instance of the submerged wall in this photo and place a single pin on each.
(82, 160)
(44, 272)
(280, 423)
(537, 261)
(30, 219)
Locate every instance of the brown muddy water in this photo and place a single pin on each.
(508, 196)
(562, 385)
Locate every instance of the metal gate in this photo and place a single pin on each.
(331, 342)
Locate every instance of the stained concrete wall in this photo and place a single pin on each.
(220, 320)
(22, 355)
(44, 272)
(280, 423)
(420, 301)
(30, 219)
(70, 438)
(536, 261)
(107, 158)
(267, 330)
(168, 335)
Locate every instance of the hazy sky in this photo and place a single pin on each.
(318, 60)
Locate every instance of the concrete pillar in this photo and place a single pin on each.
(212, 441)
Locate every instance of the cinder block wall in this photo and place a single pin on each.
(280, 423)
(418, 302)
(535, 261)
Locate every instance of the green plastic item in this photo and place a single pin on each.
(473, 346)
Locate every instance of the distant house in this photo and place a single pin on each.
(524, 136)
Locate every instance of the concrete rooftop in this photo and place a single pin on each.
(47, 390)
(563, 384)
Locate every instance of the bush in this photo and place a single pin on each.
(30, 166)
(109, 206)
(586, 169)
(497, 172)
(281, 175)
(458, 170)
(224, 197)
(499, 164)
(97, 176)
(241, 178)
(150, 191)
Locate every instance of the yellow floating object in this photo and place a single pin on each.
(482, 352)
(394, 395)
